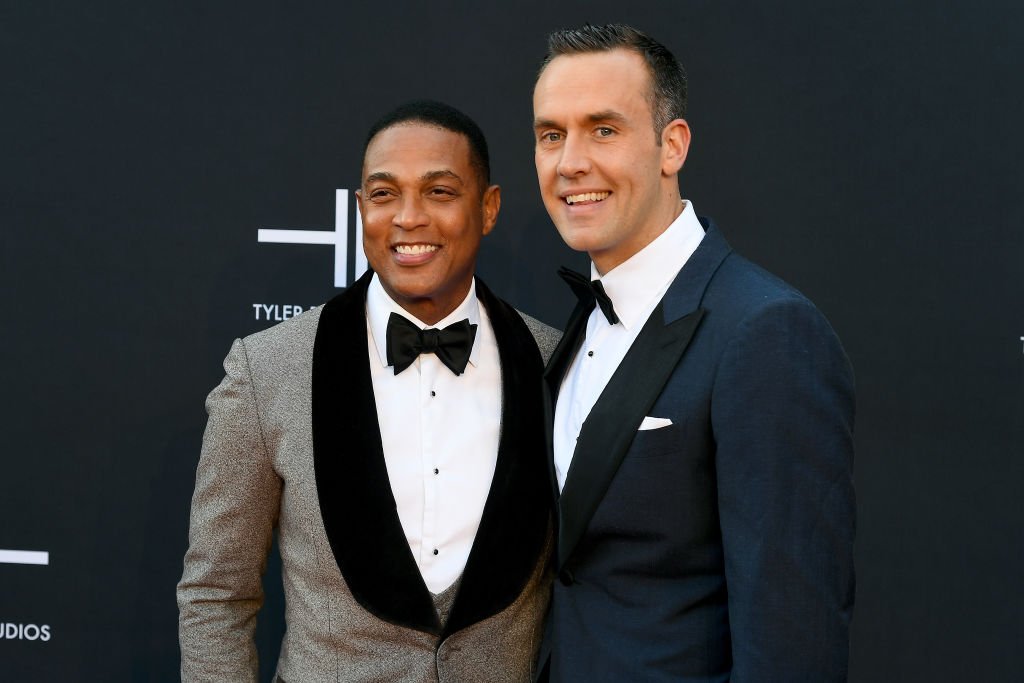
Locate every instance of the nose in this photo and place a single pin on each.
(574, 160)
(410, 214)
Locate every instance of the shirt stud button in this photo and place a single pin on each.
(435, 551)
(433, 393)
(436, 470)
(590, 353)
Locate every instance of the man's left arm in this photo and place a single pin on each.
(782, 415)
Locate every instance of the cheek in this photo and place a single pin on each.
(546, 166)
(375, 246)
(373, 241)
(376, 224)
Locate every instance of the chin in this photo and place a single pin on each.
(576, 239)
(415, 292)
(408, 287)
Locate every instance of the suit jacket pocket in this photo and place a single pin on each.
(652, 443)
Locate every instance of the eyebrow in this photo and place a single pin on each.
(387, 177)
(380, 177)
(597, 117)
(440, 173)
(606, 115)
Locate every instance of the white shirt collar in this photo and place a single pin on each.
(380, 306)
(635, 282)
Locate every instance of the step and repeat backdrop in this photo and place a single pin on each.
(176, 175)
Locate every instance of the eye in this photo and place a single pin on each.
(550, 136)
(442, 192)
(380, 194)
(604, 132)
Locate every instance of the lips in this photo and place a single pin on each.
(585, 198)
(414, 254)
(415, 249)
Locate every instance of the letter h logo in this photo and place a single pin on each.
(338, 237)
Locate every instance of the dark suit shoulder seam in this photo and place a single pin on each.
(711, 277)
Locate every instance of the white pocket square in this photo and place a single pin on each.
(654, 423)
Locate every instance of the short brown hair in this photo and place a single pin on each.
(668, 78)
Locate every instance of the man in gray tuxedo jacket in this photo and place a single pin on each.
(395, 438)
(702, 408)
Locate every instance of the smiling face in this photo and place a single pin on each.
(424, 212)
(608, 185)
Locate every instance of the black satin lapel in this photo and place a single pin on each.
(356, 502)
(611, 426)
(566, 349)
(516, 517)
(555, 371)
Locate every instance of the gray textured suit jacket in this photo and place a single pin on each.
(293, 442)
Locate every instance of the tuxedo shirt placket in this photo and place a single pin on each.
(439, 435)
(427, 367)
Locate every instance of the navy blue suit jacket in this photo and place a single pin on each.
(719, 548)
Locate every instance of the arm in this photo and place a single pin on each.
(782, 415)
(234, 509)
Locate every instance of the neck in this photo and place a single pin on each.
(641, 237)
(432, 310)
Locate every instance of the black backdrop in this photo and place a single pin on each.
(866, 152)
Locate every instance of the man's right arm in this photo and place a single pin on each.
(234, 510)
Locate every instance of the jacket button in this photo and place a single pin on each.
(566, 577)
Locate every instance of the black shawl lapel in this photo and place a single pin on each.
(356, 502)
(634, 387)
(517, 515)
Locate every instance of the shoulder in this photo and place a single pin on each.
(752, 313)
(741, 290)
(748, 284)
(755, 313)
(283, 344)
(506, 320)
(547, 337)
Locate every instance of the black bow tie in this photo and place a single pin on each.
(451, 345)
(589, 292)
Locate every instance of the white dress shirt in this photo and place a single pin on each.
(440, 436)
(635, 288)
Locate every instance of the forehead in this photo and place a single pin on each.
(617, 80)
(415, 148)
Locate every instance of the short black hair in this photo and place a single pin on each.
(668, 78)
(447, 117)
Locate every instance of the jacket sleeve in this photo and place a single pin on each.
(234, 510)
(782, 415)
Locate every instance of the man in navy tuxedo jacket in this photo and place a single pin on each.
(702, 409)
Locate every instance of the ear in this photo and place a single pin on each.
(359, 201)
(675, 143)
(491, 206)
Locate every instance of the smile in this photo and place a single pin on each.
(586, 198)
(415, 249)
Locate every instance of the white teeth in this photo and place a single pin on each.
(414, 249)
(586, 197)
